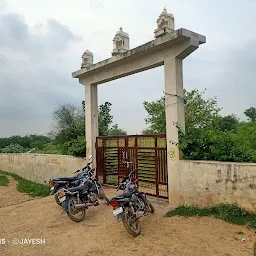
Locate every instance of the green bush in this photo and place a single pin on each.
(209, 136)
(228, 212)
(206, 144)
(50, 148)
(13, 148)
(75, 147)
(26, 186)
(4, 181)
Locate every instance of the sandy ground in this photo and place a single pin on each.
(101, 234)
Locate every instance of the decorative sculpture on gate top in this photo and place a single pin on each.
(120, 42)
(165, 24)
(87, 59)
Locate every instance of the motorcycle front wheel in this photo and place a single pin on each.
(151, 207)
(131, 223)
(102, 195)
(73, 214)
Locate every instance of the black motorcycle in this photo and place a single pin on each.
(76, 200)
(131, 205)
(56, 184)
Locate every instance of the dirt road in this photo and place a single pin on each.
(101, 234)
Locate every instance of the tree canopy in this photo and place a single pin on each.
(67, 135)
(69, 127)
(251, 114)
(208, 135)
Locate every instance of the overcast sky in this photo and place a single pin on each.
(41, 43)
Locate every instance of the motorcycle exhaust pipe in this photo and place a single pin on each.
(82, 206)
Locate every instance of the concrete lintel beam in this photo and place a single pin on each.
(166, 42)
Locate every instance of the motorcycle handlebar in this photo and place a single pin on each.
(122, 185)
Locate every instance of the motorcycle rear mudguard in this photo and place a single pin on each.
(56, 187)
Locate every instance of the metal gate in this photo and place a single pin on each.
(147, 152)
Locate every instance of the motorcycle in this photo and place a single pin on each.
(131, 205)
(56, 184)
(75, 201)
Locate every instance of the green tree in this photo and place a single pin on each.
(105, 118)
(115, 131)
(68, 123)
(76, 147)
(13, 148)
(228, 123)
(251, 114)
(199, 112)
(208, 135)
(156, 116)
(27, 142)
(23, 141)
(147, 131)
(69, 127)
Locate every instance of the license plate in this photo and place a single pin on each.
(118, 211)
(52, 188)
(62, 199)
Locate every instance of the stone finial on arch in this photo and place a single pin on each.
(121, 42)
(165, 24)
(87, 59)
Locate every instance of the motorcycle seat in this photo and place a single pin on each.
(77, 189)
(70, 179)
(124, 195)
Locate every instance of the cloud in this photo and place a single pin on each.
(35, 72)
(96, 3)
(38, 53)
(228, 73)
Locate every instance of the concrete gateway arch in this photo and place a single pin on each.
(169, 48)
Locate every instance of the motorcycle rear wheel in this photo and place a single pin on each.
(131, 223)
(72, 212)
(56, 196)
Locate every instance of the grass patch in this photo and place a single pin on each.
(228, 212)
(31, 188)
(4, 181)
